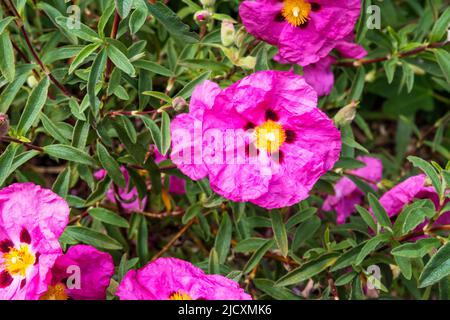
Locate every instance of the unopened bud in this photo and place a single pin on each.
(179, 103)
(240, 37)
(4, 124)
(371, 76)
(227, 33)
(346, 114)
(32, 81)
(208, 3)
(202, 17)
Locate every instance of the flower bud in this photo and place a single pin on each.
(346, 114)
(240, 37)
(208, 3)
(227, 33)
(32, 81)
(4, 124)
(202, 17)
(179, 103)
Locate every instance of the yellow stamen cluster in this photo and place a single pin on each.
(296, 12)
(180, 296)
(17, 261)
(56, 292)
(270, 136)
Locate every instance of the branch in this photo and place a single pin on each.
(21, 26)
(360, 62)
(26, 144)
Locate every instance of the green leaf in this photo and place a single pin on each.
(429, 170)
(123, 7)
(443, 59)
(138, 17)
(4, 23)
(82, 56)
(153, 67)
(52, 129)
(191, 212)
(308, 270)
(154, 131)
(258, 255)
(279, 231)
(367, 217)
(371, 245)
(111, 165)
(441, 26)
(417, 249)
(437, 268)
(214, 265)
(158, 95)
(165, 133)
(78, 29)
(33, 107)
(345, 279)
(62, 183)
(358, 85)
(189, 88)
(279, 293)
(7, 61)
(69, 153)
(305, 231)
(119, 59)
(249, 244)
(405, 266)
(94, 77)
(93, 238)
(172, 23)
(379, 211)
(109, 217)
(348, 258)
(6, 161)
(9, 93)
(223, 238)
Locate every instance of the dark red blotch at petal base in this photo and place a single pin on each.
(25, 236)
(5, 279)
(6, 245)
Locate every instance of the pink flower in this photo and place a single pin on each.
(406, 192)
(129, 198)
(261, 140)
(176, 185)
(31, 220)
(174, 279)
(82, 273)
(347, 194)
(320, 75)
(305, 31)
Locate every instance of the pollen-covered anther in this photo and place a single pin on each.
(296, 12)
(270, 136)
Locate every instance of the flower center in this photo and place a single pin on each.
(296, 12)
(180, 296)
(270, 136)
(17, 261)
(56, 292)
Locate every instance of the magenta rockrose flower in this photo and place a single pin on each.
(31, 221)
(261, 140)
(347, 194)
(305, 31)
(406, 192)
(82, 273)
(175, 279)
(128, 198)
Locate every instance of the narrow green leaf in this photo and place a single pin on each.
(69, 153)
(6, 161)
(371, 245)
(111, 166)
(33, 107)
(94, 77)
(165, 133)
(429, 170)
(223, 238)
(93, 238)
(82, 56)
(120, 60)
(279, 231)
(258, 255)
(417, 249)
(379, 211)
(109, 217)
(7, 60)
(437, 268)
